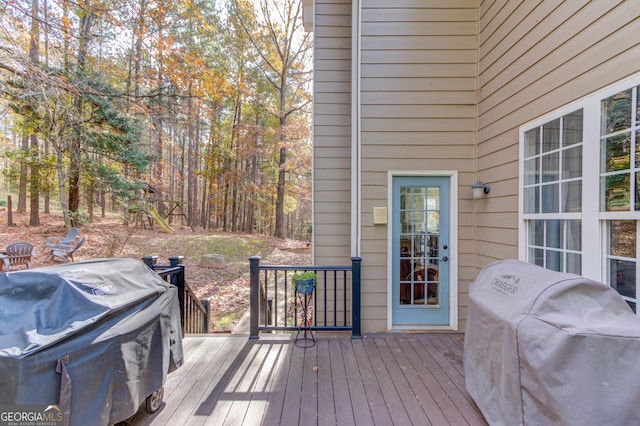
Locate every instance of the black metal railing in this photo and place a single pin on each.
(195, 315)
(275, 304)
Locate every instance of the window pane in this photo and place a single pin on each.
(554, 235)
(551, 135)
(572, 196)
(617, 153)
(532, 171)
(638, 149)
(532, 142)
(637, 191)
(572, 163)
(622, 238)
(616, 112)
(553, 260)
(550, 198)
(536, 233)
(531, 197)
(637, 105)
(574, 263)
(550, 167)
(623, 277)
(574, 235)
(536, 256)
(572, 128)
(616, 192)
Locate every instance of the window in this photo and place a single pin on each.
(580, 207)
(621, 259)
(620, 157)
(553, 188)
(620, 189)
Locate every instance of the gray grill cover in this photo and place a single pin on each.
(111, 327)
(548, 348)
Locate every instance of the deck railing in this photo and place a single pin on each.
(275, 305)
(195, 315)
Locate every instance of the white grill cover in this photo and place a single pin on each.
(549, 348)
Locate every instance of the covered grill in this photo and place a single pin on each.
(544, 347)
(96, 338)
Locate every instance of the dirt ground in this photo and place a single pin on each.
(226, 286)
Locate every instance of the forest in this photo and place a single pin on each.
(119, 105)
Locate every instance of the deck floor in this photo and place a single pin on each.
(381, 379)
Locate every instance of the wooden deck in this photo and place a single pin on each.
(382, 379)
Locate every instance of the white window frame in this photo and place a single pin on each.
(594, 236)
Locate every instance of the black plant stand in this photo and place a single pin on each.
(305, 327)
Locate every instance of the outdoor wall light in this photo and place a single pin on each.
(479, 189)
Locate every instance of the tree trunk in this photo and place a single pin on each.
(9, 211)
(75, 160)
(34, 207)
(24, 176)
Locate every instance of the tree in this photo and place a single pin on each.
(284, 49)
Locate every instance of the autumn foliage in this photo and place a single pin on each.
(112, 104)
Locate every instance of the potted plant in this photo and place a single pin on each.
(305, 282)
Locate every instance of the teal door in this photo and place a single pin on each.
(420, 271)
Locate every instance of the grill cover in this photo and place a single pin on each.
(544, 347)
(95, 337)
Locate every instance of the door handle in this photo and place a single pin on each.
(445, 258)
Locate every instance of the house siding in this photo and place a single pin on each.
(446, 85)
(535, 57)
(418, 81)
(332, 133)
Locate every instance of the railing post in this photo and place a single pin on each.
(254, 295)
(178, 281)
(207, 314)
(149, 260)
(355, 298)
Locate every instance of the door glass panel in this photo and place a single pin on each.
(419, 246)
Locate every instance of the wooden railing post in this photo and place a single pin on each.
(254, 295)
(355, 297)
(207, 314)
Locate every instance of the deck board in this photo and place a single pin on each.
(381, 379)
